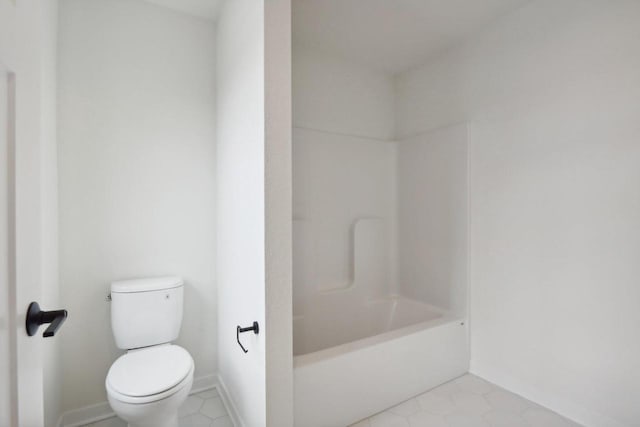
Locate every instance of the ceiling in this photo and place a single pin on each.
(207, 9)
(392, 35)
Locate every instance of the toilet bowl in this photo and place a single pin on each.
(146, 386)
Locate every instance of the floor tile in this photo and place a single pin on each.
(505, 401)
(465, 420)
(504, 419)
(426, 419)
(473, 384)
(207, 394)
(436, 403)
(470, 403)
(447, 389)
(191, 406)
(213, 408)
(110, 422)
(203, 409)
(388, 419)
(195, 420)
(544, 418)
(407, 408)
(223, 422)
(467, 401)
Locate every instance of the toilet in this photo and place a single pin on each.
(147, 385)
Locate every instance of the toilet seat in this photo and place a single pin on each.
(149, 374)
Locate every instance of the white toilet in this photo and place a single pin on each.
(146, 385)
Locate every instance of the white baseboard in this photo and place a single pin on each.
(206, 382)
(579, 414)
(229, 404)
(86, 415)
(102, 411)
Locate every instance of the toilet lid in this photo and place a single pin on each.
(149, 371)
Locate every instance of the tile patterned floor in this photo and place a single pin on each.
(467, 402)
(203, 409)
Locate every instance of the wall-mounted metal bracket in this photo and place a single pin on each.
(255, 328)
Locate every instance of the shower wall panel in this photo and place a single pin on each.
(432, 218)
(344, 215)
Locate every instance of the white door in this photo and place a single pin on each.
(7, 411)
(25, 129)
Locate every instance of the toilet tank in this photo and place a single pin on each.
(146, 312)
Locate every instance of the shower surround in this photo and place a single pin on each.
(380, 270)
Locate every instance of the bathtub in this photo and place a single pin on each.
(352, 363)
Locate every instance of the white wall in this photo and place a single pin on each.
(137, 175)
(254, 209)
(433, 217)
(553, 97)
(241, 205)
(336, 95)
(344, 172)
(278, 207)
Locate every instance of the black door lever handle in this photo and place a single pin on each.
(37, 317)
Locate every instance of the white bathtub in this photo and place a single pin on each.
(352, 362)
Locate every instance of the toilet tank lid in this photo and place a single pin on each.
(146, 284)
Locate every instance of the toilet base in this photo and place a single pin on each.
(160, 413)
